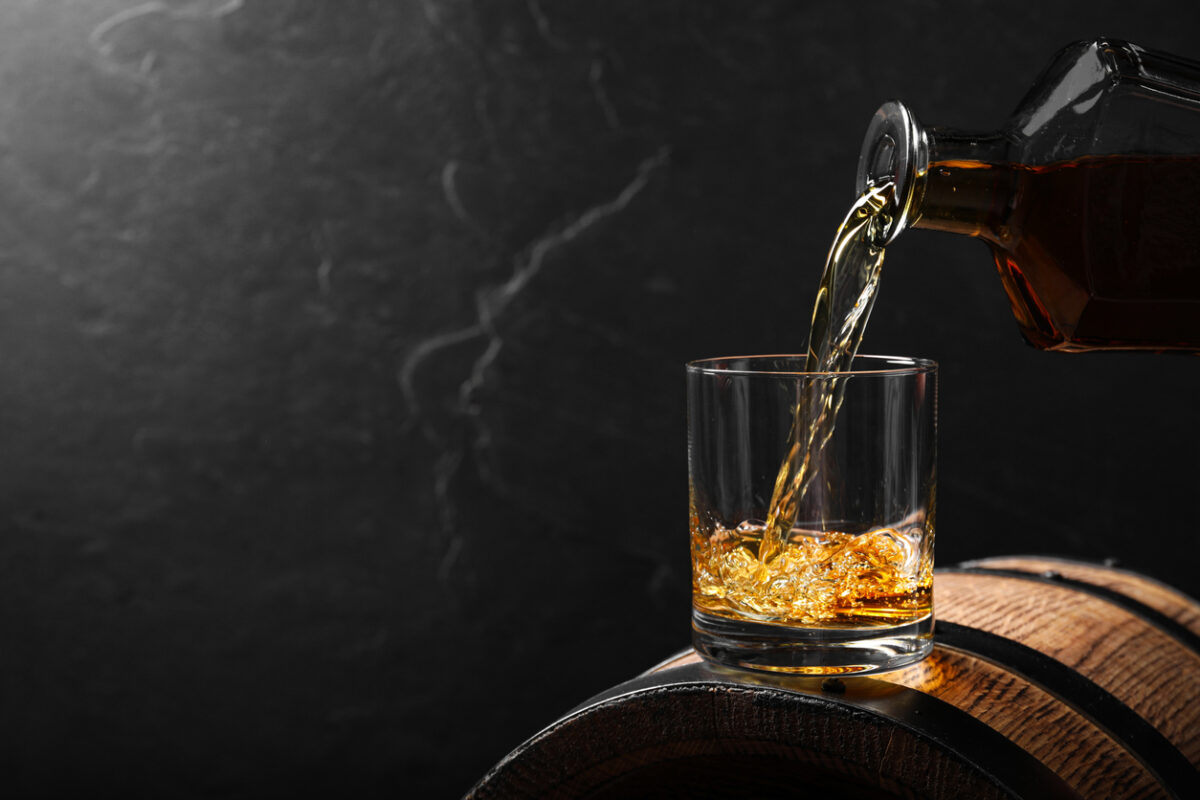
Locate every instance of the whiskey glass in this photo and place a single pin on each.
(843, 583)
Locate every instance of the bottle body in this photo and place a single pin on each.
(1088, 199)
(1099, 253)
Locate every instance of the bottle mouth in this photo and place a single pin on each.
(895, 150)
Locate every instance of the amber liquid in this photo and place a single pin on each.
(843, 305)
(1100, 253)
(775, 572)
(818, 579)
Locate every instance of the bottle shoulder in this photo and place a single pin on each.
(1107, 96)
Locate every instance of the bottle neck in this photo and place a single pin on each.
(964, 187)
(942, 179)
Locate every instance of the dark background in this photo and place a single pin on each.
(341, 353)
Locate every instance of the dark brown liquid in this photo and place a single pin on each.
(1101, 253)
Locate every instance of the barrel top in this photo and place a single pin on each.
(1046, 680)
(876, 728)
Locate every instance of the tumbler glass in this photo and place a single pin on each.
(812, 505)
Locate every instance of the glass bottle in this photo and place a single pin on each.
(1089, 198)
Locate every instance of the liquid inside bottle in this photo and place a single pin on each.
(1097, 253)
(1087, 197)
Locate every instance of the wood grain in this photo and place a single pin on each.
(697, 737)
(1085, 756)
(1090, 760)
(1159, 596)
(1143, 667)
(796, 743)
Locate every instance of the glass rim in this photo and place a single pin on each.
(897, 365)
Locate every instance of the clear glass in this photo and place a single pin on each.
(1086, 196)
(851, 589)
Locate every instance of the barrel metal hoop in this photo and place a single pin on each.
(1152, 615)
(1005, 763)
(1138, 736)
(1108, 564)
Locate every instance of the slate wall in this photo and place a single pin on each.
(341, 356)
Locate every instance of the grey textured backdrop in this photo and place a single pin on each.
(341, 356)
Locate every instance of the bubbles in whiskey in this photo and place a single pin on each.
(879, 578)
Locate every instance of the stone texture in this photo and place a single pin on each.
(341, 366)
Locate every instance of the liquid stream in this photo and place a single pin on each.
(774, 572)
(839, 319)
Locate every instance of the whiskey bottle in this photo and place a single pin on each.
(1089, 197)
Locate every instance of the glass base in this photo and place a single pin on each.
(810, 651)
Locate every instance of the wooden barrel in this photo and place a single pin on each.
(1050, 678)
